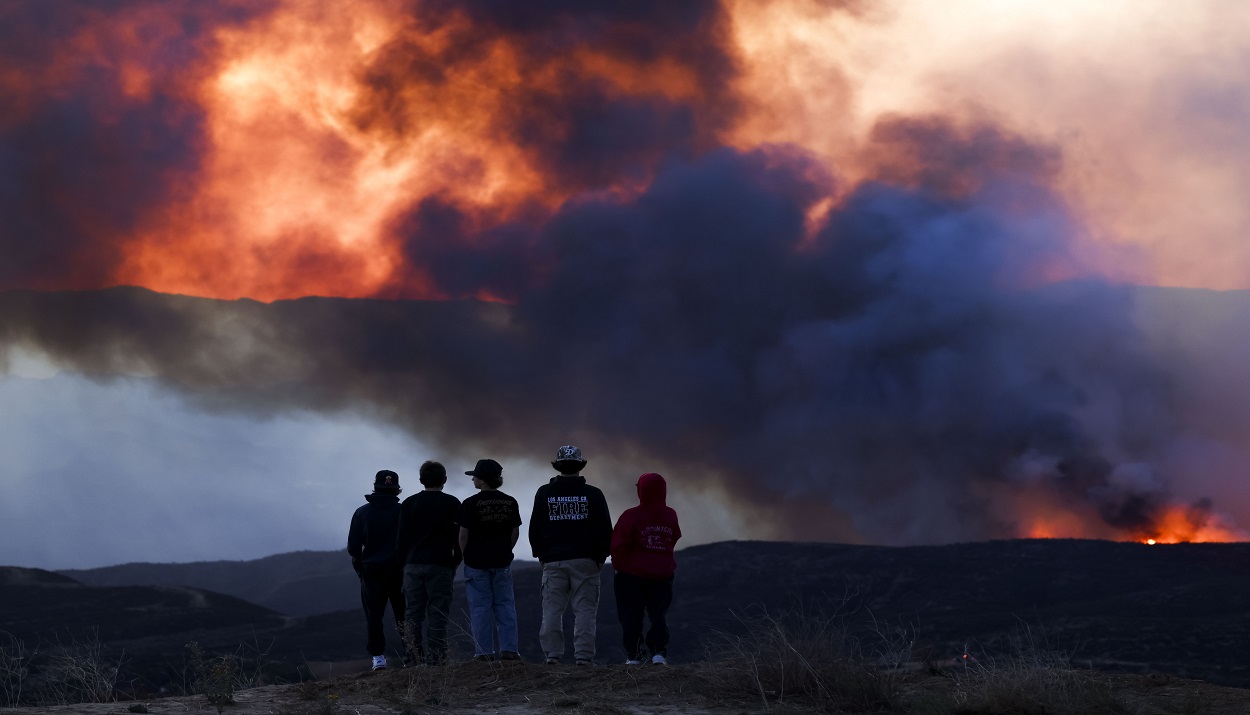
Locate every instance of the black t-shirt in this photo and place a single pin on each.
(427, 529)
(490, 517)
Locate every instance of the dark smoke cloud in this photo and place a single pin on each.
(581, 127)
(899, 366)
(83, 159)
(908, 365)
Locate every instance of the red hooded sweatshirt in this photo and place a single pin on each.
(642, 542)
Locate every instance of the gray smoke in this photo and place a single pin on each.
(902, 372)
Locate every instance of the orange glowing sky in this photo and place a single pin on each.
(300, 183)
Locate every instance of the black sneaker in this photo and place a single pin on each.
(509, 655)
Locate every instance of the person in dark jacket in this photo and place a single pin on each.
(371, 544)
(429, 550)
(570, 532)
(643, 566)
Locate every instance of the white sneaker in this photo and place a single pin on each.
(379, 662)
(659, 660)
(633, 662)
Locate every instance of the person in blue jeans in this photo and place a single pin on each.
(490, 524)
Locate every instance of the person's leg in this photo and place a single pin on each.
(395, 598)
(477, 592)
(584, 577)
(438, 583)
(415, 600)
(659, 597)
(629, 609)
(505, 610)
(555, 592)
(373, 598)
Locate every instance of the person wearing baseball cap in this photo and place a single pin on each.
(490, 524)
(371, 544)
(570, 532)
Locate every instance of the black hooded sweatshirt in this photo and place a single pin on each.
(371, 539)
(570, 521)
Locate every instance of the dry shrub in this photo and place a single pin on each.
(796, 656)
(78, 672)
(14, 669)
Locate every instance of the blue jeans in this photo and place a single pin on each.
(492, 609)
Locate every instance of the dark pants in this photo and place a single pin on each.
(634, 596)
(380, 585)
(427, 591)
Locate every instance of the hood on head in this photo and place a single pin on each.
(652, 489)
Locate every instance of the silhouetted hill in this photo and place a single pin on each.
(1120, 606)
(300, 583)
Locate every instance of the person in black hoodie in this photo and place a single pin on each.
(570, 532)
(371, 544)
(428, 549)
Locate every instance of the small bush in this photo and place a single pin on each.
(214, 676)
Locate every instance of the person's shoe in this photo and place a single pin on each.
(659, 660)
(633, 662)
(553, 661)
(484, 657)
(585, 662)
(509, 655)
(379, 662)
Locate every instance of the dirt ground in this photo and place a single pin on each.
(522, 689)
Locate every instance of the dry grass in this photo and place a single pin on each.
(1033, 682)
(799, 657)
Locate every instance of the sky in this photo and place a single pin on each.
(877, 272)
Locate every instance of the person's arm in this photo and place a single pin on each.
(464, 538)
(402, 537)
(621, 536)
(516, 535)
(457, 551)
(602, 529)
(355, 541)
(535, 535)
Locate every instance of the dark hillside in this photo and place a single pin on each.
(1122, 606)
(300, 583)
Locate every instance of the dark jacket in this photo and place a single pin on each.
(570, 521)
(643, 540)
(371, 538)
(428, 533)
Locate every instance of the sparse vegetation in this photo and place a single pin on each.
(1032, 681)
(14, 669)
(78, 672)
(797, 656)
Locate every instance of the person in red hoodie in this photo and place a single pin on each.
(642, 558)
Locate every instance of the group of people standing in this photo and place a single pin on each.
(406, 556)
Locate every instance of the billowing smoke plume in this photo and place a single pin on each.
(913, 358)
